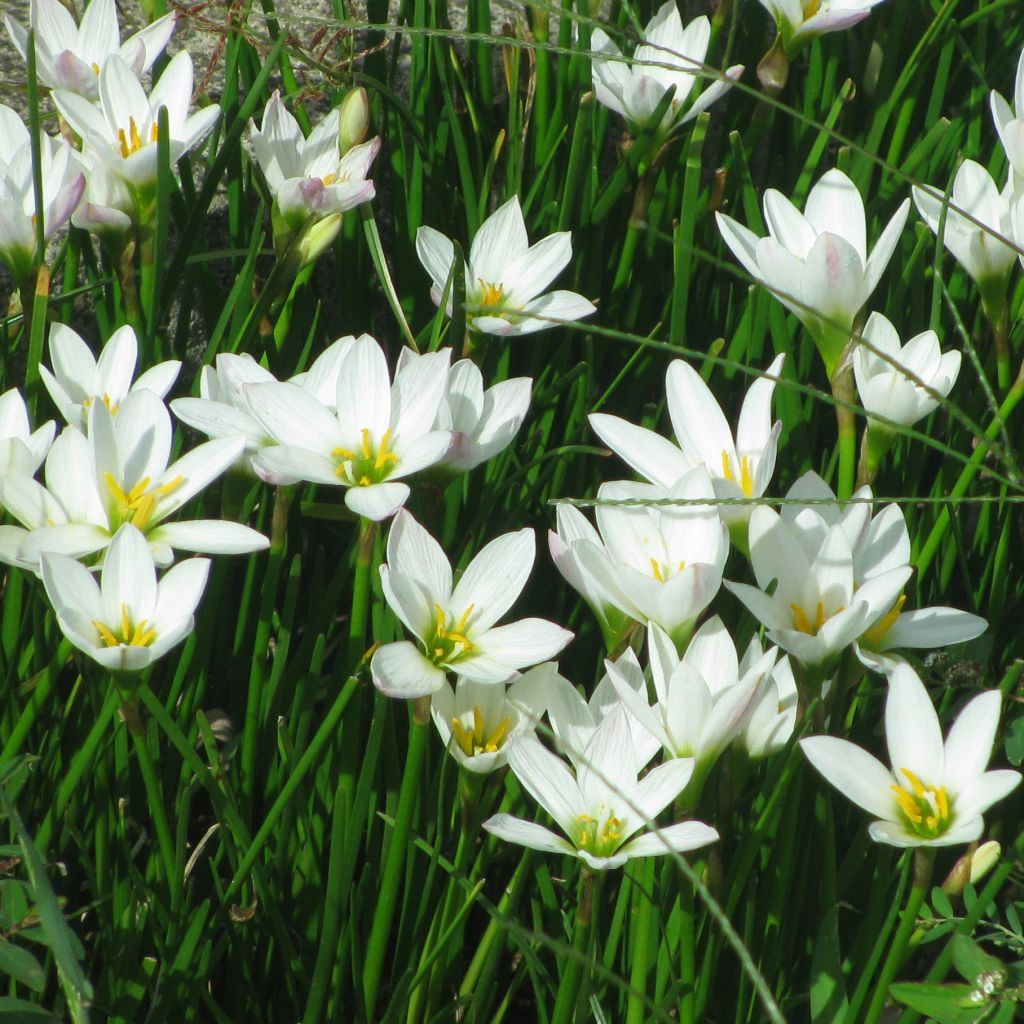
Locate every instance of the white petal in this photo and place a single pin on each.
(853, 771)
(400, 670)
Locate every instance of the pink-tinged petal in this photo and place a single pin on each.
(412, 551)
(153, 38)
(501, 239)
(833, 284)
(377, 502)
(648, 453)
(854, 772)
(210, 536)
(400, 670)
(494, 579)
(687, 835)
(506, 649)
(547, 779)
(912, 730)
(969, 743)
(528, 834)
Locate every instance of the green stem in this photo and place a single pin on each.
(380, 930)
(924, 862)
(843, 392)
(970, 471)
(642, 874)
(687, 956)
(569, 986)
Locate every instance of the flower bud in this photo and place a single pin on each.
(975, 863)
(355, 119)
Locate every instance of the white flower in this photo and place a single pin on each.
(482, 423)
(107, 209)
(122, 131)
(375, 435)
(505, 275)
(70, 56)
(738, 469)
(669, 56)
(128, 620)
(935, 793)
(701, 700)
(885, 389)
(455, 626)
(819, 605)
(63, 185)
(121, 474)
(603, 804)
(658, 564)
(772, 717)
(477, 720)
(923, 628)
(799, 21)
(816, 262)
(79, 379)
(977, 244)
(1010, 121)
(310, 177)
(22, 450)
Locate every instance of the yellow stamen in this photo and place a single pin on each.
(612, 830)
(463, 737)
(746, 479)
(656, 571)
(811, 8)
(137, 505)
(137, 635)
(727, 467)
(492, 294)
(877, 633)
(329, 179)
(95, 68)
(925, 807)
(800, 620)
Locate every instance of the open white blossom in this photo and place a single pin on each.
(22, 449)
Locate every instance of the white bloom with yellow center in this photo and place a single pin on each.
(79, 379)
(799, 21)
(123, 129)
(505, 275)
(128, 620)
(739, 468)
(603, 804)
(70, 56)
(455, 625)
(375, 434)
(935, 793)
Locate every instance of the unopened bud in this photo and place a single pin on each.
(354, 123)
(974, 865)
(773, 70)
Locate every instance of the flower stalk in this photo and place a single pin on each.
(570, 985)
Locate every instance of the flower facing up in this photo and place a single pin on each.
(670, 56)
(816, 262)
(79, 379)
(505, 275)
(658, 563)
(63, 186)
(477, 720)
(603, 804)
(309, 177)
(122, 130)
(701, 700)
(374, 436)
(819, 606)
(22, 449)
(482, 423)
(1010, 121)
(740, 468)
(935, 792)
(129, 619)
(121, 473)
(70, 56)
(799, 21)
(455, 625)
(885, 389)
(977, 243)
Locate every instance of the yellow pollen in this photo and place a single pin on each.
(132, 142)
(656, 571)
(95, 68)
(448, 644)
(477, 741)
(492, 293)
(329, 179)
(746, 480)
(802, 621)
(105, 399)
(876, 634)
(137, 635)
(366, 466)
(136, 506)
(612, 830)
(925, 807)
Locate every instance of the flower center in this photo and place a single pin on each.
(803, 622)
(925, 809)
(476, 740)
(746, 480)
(132, 142)
(105, 399)
(449, 643)
(366, 466)
(492, 294)
(597, 839)
(138, 635)
(876, 634)
(662, 571)
(137, 505)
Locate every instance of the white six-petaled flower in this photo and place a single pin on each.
(455, 624)
(799, 21)
(505, 275)
(935, 793)
(670, 56)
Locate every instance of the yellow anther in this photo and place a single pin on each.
(478, 724)
(108, 638)
(343, 453)
(926, 807)
(811, 8)
(137, 635)
(329, 179)
(656, 571)
(907, 803)
(365, 444)
(463, 737)
(800, 620)
(612, 830)
(916, 784)
(877, 633)
(492, 294)
(497, 737)
(746, 479)
(95, 68)
(727, 467)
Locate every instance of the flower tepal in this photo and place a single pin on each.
(935, 793)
